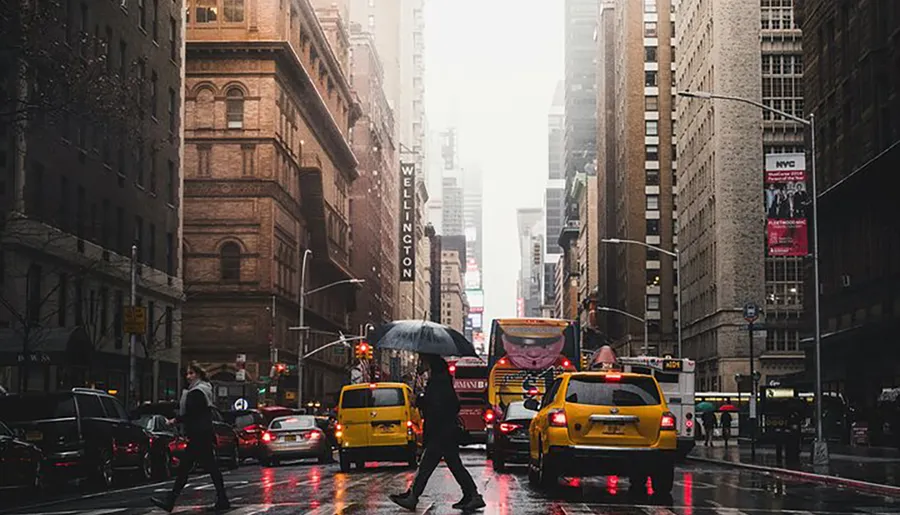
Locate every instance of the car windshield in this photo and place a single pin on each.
(384, 397)
(38, 407)
(518, 411)
(626, 391)
(299, 422)
(147, 422)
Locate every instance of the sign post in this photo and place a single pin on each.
(751, 315)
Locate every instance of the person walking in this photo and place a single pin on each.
(440, 408)
(725, 421)
(709, 425)
(196, 416)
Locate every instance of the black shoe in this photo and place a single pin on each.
(462, 502)
(476, 502)
(405, 500)
(166, 505)
(222, 504)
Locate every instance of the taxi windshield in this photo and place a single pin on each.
(626, 391)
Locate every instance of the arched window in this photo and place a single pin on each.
(234, 106)
(230, 262)
(234, 11)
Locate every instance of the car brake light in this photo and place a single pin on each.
(267, 436)
(314, 435)
(612, 378)
(667, 422)
(558, 418)
(452, 369)
(507, 427)
(409, 423)
(502, 361)
(533, 391)
(338, 427)
(250, 429)
(488, 415)
(567, 363)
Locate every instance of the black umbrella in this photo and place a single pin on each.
(424, 337)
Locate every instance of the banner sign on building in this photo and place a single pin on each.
(786, 201)
(520, 307)
(407, 222)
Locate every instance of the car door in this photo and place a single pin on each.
(226, 440)
(354, 416)
(131, 441)
(99, 433)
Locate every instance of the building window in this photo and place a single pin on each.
(650, 79)
(652, 202)
(104, 310)
(651, 128)
(142, 13)
(173, 111)
(207, 11)
(173, 39)
(230, 262)
(155, 20)
(651, 103)
(649, 6)
(650, 29)
(652, 227)
(153, 153)
(650, 54)
(371, 21)
(170, 184)
(652, 153)
(154, 96)
(170, 326)
(653, 278)
(234, 11)
(62, 299)
(652, 177)
(652, 302)
(234, 105)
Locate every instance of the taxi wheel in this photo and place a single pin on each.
(345, 463)
(533, 476)
(663, 479)
(548, 476)
(499, 462)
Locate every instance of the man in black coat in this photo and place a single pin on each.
(196, 417)
(440, 409)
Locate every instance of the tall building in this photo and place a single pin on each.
(374, 196)
(473, 206)
(453, 203)
(454, 309)
(268, 170)
(852, 84)
(588, 259)
(554, 195)
(720, 212)
(90, 169)
(637, 182)
(530, 222)
(580, 138)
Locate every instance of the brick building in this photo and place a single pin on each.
(268, 170)
(96, 170)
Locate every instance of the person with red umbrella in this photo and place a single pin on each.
(725, 419)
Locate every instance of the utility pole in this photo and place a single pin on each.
(132, 356)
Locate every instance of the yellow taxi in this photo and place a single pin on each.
(377, 422)
(603, 423)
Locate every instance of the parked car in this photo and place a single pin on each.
(249, 424)
(227, 447)
(294, 437)
(167, 444)
(21, 463)
(83, 433)
(511, 436)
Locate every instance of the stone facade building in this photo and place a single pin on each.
(268, 171)
(454, 309)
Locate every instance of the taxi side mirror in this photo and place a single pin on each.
(531, 404)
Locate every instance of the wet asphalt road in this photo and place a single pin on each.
(309, 488)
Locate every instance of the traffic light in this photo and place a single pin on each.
(361, 350)
(280, 368)
(585, 361)
(369, 351)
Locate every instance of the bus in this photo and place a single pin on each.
(676, 378)
(525, 355)
(470, 381)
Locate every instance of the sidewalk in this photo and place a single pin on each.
(873, 469)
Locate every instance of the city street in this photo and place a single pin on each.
(309, 488)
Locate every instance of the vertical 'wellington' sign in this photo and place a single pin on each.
(407, 222)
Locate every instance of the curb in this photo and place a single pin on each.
(855, 484)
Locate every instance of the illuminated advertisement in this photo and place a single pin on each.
(477, 320)
(471, 234)
(407, 222)
(476, 299)
(473, 279)
(786, 201)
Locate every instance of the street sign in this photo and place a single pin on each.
(241, 404)
(240, 375)
(751, 312)
(135, 319)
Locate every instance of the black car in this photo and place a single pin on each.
(227, 445)
(511, 436)
(167, 444)
(249, 424)
(21, 463)
(83, 433)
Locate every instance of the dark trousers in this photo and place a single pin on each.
(445, 448)
(201, 452)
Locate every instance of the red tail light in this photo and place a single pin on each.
(339, 427)
(558, 418)
(315, 435)
(533, 391)
(267, 436)
(613, 378)
(667, 423)
(502, 361)
(409, 423)
(250, 429)
(567, 363)
(489, 415)
(452, 369)
(508, 428)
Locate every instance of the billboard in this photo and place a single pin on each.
(407, 222)
(476, 319)
(520, 307)
(471, 234)
(473, 279)
(476, 300)
(786, 200)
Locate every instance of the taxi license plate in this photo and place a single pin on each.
(613, 429)
(34, 436)
(290, 438)
(387, 428)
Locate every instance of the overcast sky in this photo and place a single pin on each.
(490, 70)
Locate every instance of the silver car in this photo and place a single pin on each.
(294, 437)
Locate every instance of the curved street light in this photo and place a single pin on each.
(633, 317)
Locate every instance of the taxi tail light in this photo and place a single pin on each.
(613, 378)
(667, 423)
(558, 418)
(506, 427)
(409, 423)
(488, 415)
(267, 436)
(339, 427)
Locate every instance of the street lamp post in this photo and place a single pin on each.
(301, 351)
(646, 349)
(820, 449)
(677, 256)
